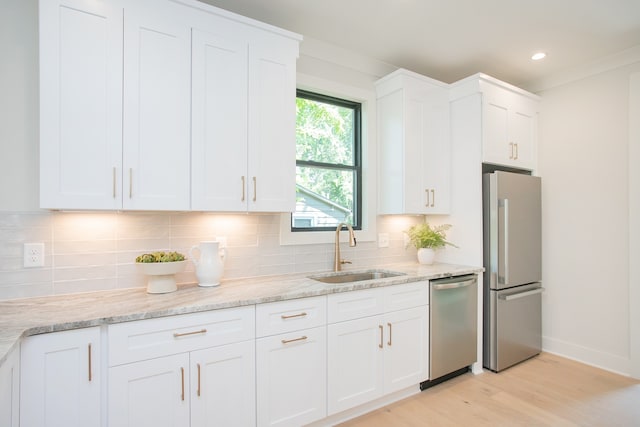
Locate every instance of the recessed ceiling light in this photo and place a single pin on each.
(538, 56)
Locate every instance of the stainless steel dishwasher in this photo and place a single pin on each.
(453, 327)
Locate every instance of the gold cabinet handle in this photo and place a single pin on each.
(511, 150)
(184, 334)
(182, 393)
(255, 189)
(243, 189)
(426, 190)
(130, 183)
(113, 180)
(381, 338)
(389, 342)
(291, 316)
(302, 338)
(515, 157)
(90, 369)
(433, 197)
(198, 391)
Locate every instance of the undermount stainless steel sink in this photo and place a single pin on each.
(356, 276)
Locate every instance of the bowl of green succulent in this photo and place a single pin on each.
(160, 268)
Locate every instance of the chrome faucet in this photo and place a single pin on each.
(337, 262)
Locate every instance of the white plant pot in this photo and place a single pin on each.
(426, 256)
(161, 275)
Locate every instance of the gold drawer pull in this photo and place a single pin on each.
(182, 375)
(381, 336)
(291, 316)
(184, 334)
(198, 380)
(389, 342)
(302, 338)
(90, 368)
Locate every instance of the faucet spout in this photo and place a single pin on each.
(337, 262)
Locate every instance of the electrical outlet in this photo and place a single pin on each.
(383, 240)
(33, 255)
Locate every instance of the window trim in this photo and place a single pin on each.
(367, 98)
(356, 106)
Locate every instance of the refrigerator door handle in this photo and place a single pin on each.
(521, 294)
(504, 279)
(453, 285)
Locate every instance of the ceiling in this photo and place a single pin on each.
(451, 39)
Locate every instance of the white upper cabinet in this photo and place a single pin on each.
(243, 118)
(509, 121)
(186, 108)
(272, 122)
(413, 132)
(80, 104)
(219, 138)
(157, 107)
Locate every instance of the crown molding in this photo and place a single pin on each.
(611, 62)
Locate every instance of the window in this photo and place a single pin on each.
(328, 163)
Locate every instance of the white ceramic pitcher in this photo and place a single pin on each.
(210, 266)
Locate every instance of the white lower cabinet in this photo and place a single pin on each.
(150, 393)
(60, 379)
(210, 387)
(287, 363)
(291, 354)
(192, 370)
(10, 390)
(373, 355)
(223, 386)
(292, 378)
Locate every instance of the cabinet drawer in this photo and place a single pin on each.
(354, 305)
(400, 297)
(147, 339)
(286, 316)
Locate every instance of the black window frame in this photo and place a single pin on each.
(357, 157)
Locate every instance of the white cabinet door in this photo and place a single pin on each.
(413, 125)
(80, 104)
(10, 390)
(157, 107)
(61, 379)
(151, 393)
(509, 122)
(219, 121)
(355, 362)
(406, 358)
(223, 386)
(271, 174)
(292, 378)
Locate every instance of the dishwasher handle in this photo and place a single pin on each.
(521, 294)
(454, 285)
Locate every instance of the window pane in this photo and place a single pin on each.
(324, 132)
(324, 197)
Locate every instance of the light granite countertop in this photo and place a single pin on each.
(30, 316)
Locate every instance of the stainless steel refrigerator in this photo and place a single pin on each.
(512, 261)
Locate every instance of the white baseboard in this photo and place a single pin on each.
(365, 408)
(607, 361)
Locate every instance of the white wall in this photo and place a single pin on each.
(583, 159)
(19, 105)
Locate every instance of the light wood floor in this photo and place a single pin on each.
(544, 391)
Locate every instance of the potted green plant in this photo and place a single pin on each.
(160, 268)
(427, 239)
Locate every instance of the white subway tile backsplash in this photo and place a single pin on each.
(88, 251)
